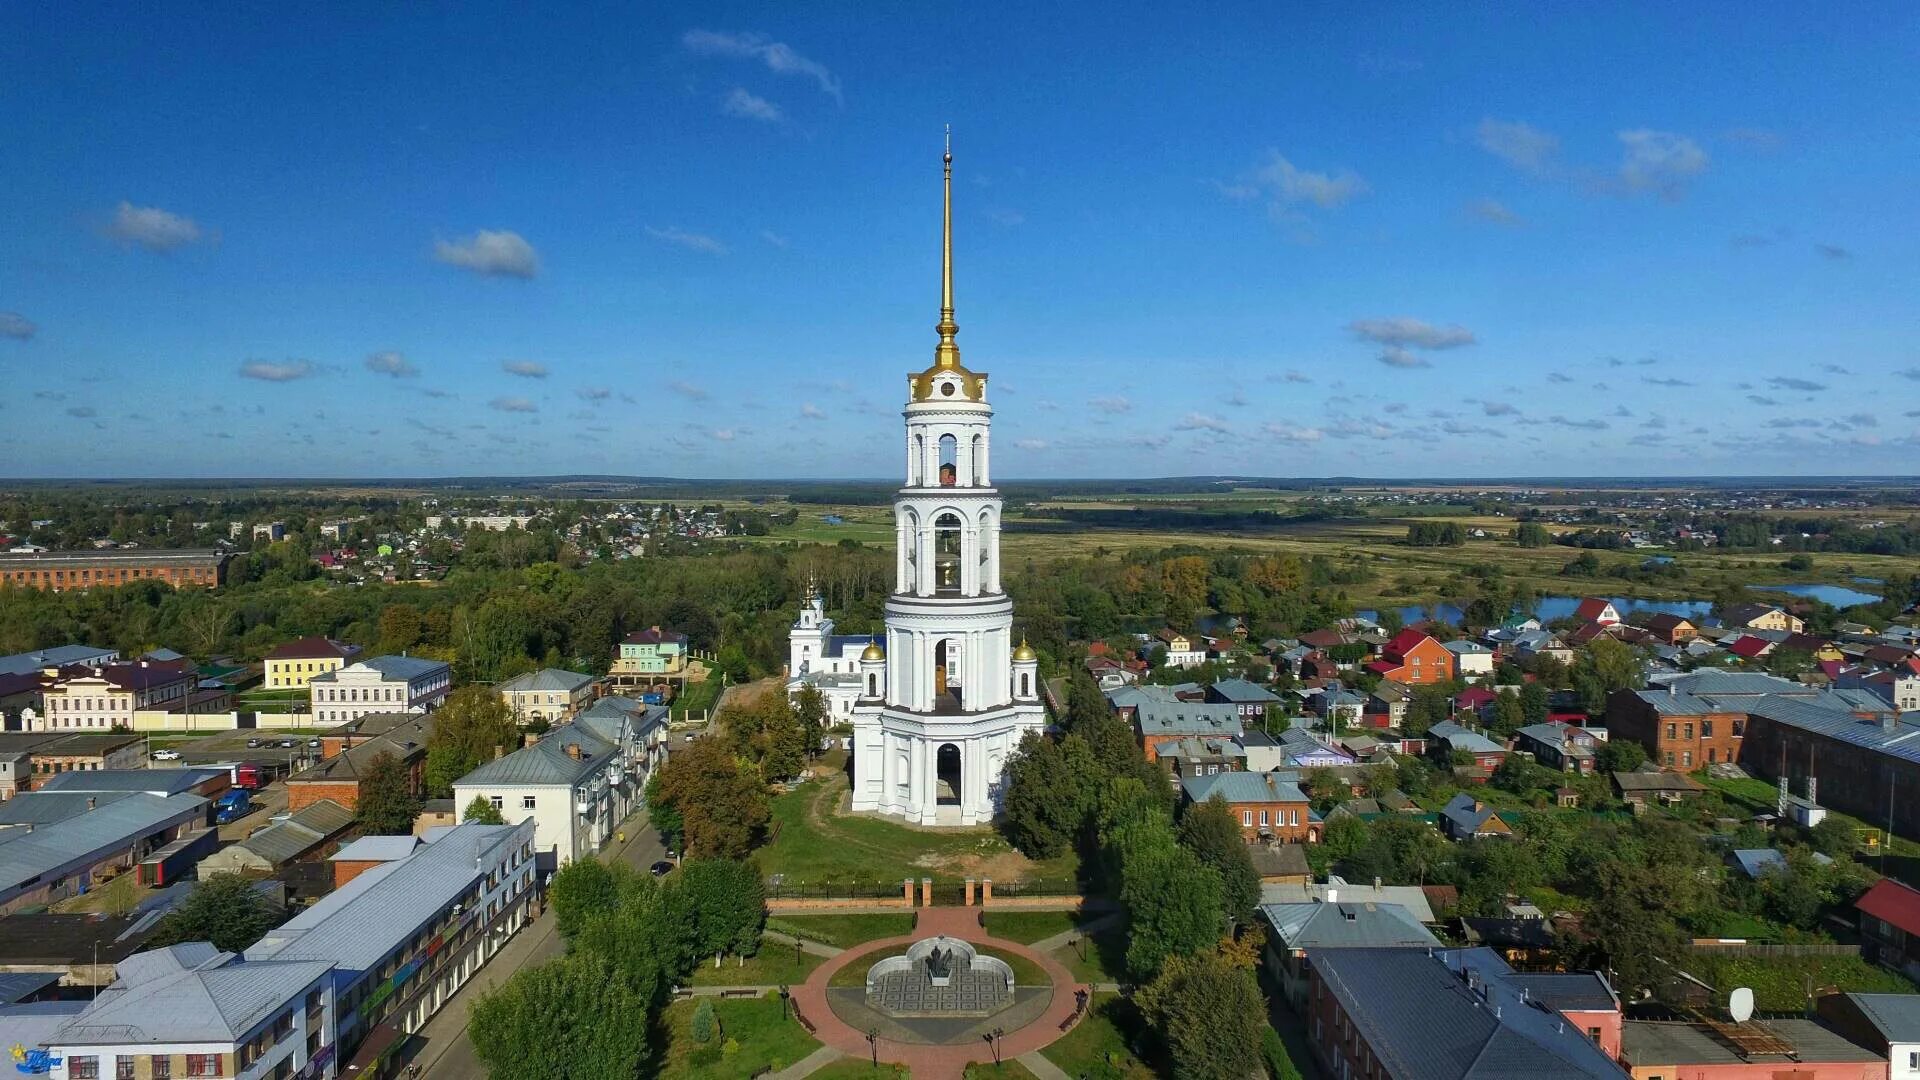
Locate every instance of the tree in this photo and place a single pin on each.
(723, 808)
(1050, 788)
(1531, 534)
(581, 890)
(1621, 755)
(664, 816)
(1085, 702)
(1212, 1016)
(1533, 702)
(569, 1017)
(387, 805)
(1172, 898)
(482, 812)
(224, 909)
(810, 711)
(728, 904)
(1607, 665)
(468, 731)
(1210, 831)
(704, 1025)
(1833, 836)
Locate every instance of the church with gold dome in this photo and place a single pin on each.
(940, 702)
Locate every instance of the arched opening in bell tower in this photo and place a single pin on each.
(946, 554)
(949, 460)
(947, 773)
(978, 456)
(949, 696)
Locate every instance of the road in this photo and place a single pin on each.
(443, 1050)
(268, 801)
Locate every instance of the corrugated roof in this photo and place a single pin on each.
(1242, 787)
(151, 781)
(1411, 897)
(1343, 923)
(552, 680)
(57, 656)
(28, 853)
(22, 984)
(1460, 738)
(1243, 690)
(301, 832)
(358, 924)
(545, 762)
(1660, 1042)
(403, 741)
(1187, 718)
(47, 807)
(182, 994)
(377, 849)
(1895, 1016)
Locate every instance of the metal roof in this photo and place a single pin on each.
(27, 853)
(1242, 787)
(1411, 897)
(151, 781)
(1187, 718)
(1242, 690)
(377, 849)
(1895, 1016)
(307, 828)
(1424, 1021)
(545, 762)
(1659, 1042)
(57, 656)
(22, 984)
(359, 924)
(552, 680)
(1459, 738)
(187, 993)
(47, 807)
(406, 668)
(1318, 924)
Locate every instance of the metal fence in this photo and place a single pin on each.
(947, 892)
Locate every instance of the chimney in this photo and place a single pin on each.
(1889, 722)
(573, 751)
(1333, 896)
(92, 802)
(1376, 883)
(499, 752)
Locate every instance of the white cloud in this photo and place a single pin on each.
(779, 58)
(723, 434)
(1492, 211)
(391, 363)
(491, 253)
(1195, 421)
(1395, 356)
(1660, 161)
(513, 404)
(271, 371)
(810, 411)
(773, 238)
(1287, 185)
(594, 393)
(526, 369)
(1520, 145)
(152, 228)
(687, 390)
(1288, 433)
(692, 241)
(748, 106)
(1030, 444)
(1585, 425)
(1111, 405)
(16, 326)
(1416, 333)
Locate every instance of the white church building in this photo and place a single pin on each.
(940, 706)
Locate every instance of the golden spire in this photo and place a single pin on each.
(947, 354)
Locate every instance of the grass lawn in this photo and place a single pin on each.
(1097, 1047)
(987, 1070)
(1780, 982)
(763, 1039)
(845, 931)
(698, 698)
(1025, 971)
(1105, 959)
(858, 1069)
(772, 965)
(815, 843)
(1027, 927)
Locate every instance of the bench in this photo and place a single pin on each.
(739, 993)
(802, 1017)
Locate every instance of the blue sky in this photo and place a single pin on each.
(382, 240)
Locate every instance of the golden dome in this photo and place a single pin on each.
(873, 652)
(1024, 654)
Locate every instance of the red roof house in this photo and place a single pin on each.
(1890, 921)
(1414, 658)
(1750, 648)
(1597, 609)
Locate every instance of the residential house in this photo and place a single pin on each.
(637, 727)
(1280, 863)
(1203, 756)
(1750, 647)
(1253, 699)
(1415, 658)
(1298, 933)
(1302, 751)
(651, 652)
(293, 665)
(1790, 1048)
(549, 695)
(1447, 738)
(1888, 1024)
(1889, 921)
(382, 684)
(573, 785)
(191, 1011)
(1109, 673)
(1471, 659)
(1527, 942)
(1560, 746)
(1900, 685)
(405, 936)
(1755, 862)
(1266, 805)
(1387, 705)
(1413, 898)
(1597, 610)
(1465, 817)
(1183, 651)
(1339, 706)
(1158, 721)
(1654, 785)
(1457, 1014)
(1264, 753)
(1762, 617)
(1529, 644)
(106, 697)
(1672, 629)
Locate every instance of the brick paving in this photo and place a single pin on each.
(938, 1062)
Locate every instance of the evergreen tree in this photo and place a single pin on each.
(1085, 702)
(224, 909)
(1049, 793)
(482, 812)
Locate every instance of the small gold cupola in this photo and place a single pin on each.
(947, 379)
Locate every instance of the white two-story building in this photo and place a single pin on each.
(383, 684)
(575, 785)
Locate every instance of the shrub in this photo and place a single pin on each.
(703, 1023)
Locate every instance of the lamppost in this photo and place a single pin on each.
(873, 1043)
(785, 995)
(993, 1039)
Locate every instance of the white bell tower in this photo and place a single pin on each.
(931, 744)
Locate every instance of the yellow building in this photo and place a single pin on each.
(292, 666)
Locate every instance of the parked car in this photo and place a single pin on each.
(289, 744)
(255, 744)
(166, 755)
(661, 868)
(313, 744)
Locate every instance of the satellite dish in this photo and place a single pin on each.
(1740, 1005)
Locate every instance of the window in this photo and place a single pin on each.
(1706, 729)
(1712, 755)
(1246, 819)
(1594, 1034)
(527, 801)
(1913, 1060)
(83, 1068)
(123, 1067)
(500, 802)
(1669, 757)
(160, 1067)
(1686, 759)
(1689, 731)
(1739, 728)
(1263, 819)
(203, 1064)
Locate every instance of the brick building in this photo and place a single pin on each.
(58, 570)
(338, 777)
(1414, 658)
(1694, 720)
(1267, 807)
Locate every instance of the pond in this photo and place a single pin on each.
(1837, 595)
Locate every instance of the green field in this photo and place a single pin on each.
(1780, 982)
(1100, 958)
(814, 842)
(987, 1070)
(846, 931)
(766, 1040)
(1027, 927)
(858, 1069)
(1097, 1046)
